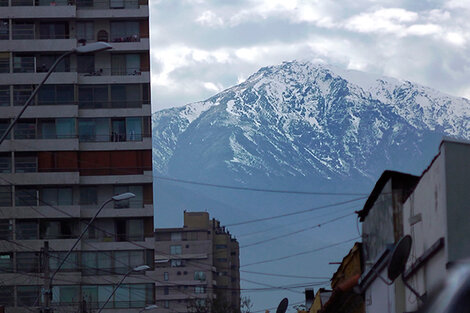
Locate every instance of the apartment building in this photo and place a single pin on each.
(85, 138)
(196, 266)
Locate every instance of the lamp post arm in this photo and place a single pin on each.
(31, 97)
(78, 240)
(114, 290)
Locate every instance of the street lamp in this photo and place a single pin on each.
(141, 268)
(90, 48)
(149, 307)
(120, 197)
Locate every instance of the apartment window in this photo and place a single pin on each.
(166, 276)
(55, 258)
(25, 196)
(166, 304)
(84, 3)
(22, 2)
(199, 289)
(56, 30)
(125, 64)
(25, 129)
(65, 128)
(93, 96)
(175, 250)
(4, 96)
(5, 163)
(199, 275)
(94, 129)
(6, 262)
(7, 296)
(65, 294)
(129, 259)
(166, 290)
(86, 64)
(56, 196)
(4, 30)
(64, 229)
(23, 63)
(126, 96)
(21, 93)
(27, 262)
(136, 202)
(44, 63)
(25, 162)
(4, 62)
(176, 236)
(5, 196)
(6, 229)
(46, 129)
(3, 127)
(130, 230)
(125, 31)
(26, 229)
(56, 94)
(22, 30)
(218, 247)
(176, 263)
(84, 30)
(27, 295)
(88, 195)
(221, 259)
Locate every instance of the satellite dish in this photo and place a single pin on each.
(282, 307)
(400, 254)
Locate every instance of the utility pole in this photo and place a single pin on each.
(46, 292)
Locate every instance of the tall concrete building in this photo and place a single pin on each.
(197, 266)
(85, 138)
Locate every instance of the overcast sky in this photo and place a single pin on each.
(201, 47)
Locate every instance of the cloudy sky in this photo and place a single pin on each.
(200, 47)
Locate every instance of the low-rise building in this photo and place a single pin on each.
(197, 266)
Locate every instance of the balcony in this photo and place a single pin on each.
(37, 45)
(112, 9)
(116, 75)
(50, 178)
(23, 145)
(144, 144)
(146, 177)
(30, 11)
(143, 44)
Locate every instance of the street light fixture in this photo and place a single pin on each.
(149, 307)
(120, 197)
(141, 268)
(90, 48)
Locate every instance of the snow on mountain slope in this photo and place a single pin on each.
(305, 119)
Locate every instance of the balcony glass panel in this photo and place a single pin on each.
(44, 63)
(22, 3)
(56, 94)
(26, 230)
(25, 163)
(5, 201)
(85, 31)
(3, 127)
(93, 96)
(24, 64)
(65, 128)
(25, 196)
(21, 93)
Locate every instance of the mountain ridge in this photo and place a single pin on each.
(301, 119)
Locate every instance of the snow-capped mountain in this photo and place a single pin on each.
(301, 119)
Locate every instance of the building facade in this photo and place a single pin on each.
(85, 138)
(436, 216)
(197, 266)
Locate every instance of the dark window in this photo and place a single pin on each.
(6, 262)
(5, 163)
(26, 229)
(26, 163)
(27, 295)
(93, 96)
(22, 30)
(56, 94)
(26, 196)
(21, 93)
(4, 65)
(6, 229)
(27, 262)
(86, 64)
(4, 30)
(88, 195)
(25, 129)
(56, 30)
(7, 296)
(23, 63)
(166, 290)
(5, 196)
(44, 63)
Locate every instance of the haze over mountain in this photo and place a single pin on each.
(297, 126)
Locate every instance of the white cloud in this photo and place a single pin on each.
(209, 18)
(424, 29)
(213, 87)
(382, 21)
(455, 38)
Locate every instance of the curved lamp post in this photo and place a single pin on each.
(90, 48)
(141, 268)
(120, 197)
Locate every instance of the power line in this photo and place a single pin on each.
(284, 275)
(295, 213)
(301, 253)
(297, 231)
